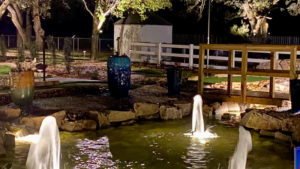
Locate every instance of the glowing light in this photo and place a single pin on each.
(33, 138)
(198, 131)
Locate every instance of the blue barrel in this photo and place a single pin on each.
(118, 74)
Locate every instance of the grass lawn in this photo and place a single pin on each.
(215, 79)
(4, 70)
(186, 74)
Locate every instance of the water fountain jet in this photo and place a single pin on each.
(45, 152)
(244, 146)
(198, 130)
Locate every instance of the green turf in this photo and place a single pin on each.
(215, 79)
(4, 70)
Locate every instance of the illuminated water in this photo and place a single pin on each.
(44, 152)
(244, 146)
(158, 145)
(198, 129)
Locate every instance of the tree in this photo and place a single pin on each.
(254, 14)
(35, 9)
(119, 8)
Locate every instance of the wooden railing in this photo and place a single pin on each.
(162, 54)
(244, 71)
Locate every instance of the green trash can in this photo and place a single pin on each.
(174, 81)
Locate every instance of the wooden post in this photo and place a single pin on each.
(201, 70)
(191, 56)
(230, 66)
(272, 79)
(244, 75)
(293, 73)
(158, 53)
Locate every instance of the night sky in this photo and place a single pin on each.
(76, 21)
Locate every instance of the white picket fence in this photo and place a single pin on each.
(160, 53)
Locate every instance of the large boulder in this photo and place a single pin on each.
(36, 121)
(59, 116)
(9, 140)
(79, 125)
(186, 108)
(170, 113)
(207, 111)
(8, 113)
(145, 109)
(281, 136)
(258, 120)
(33, 121)
(120, 116)
(100, 118)
(292, 125)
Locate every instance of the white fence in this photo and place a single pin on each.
(159, 53)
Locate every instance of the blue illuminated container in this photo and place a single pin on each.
(118, 74)
(297, 158)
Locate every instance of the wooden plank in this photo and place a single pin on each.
(244, 75)
(293, 69)
(201, 70)
(272, 79)
(236, 71)
(272, 73)
(250, 100)
(230, 66)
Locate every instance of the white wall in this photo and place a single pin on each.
(142, 33)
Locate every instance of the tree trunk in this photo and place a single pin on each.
(95, 40)
(3, 7)
(17, 24)
(37, 26)
(28, 25)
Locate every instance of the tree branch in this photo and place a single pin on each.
(3, 7)
(87, 8)
(15, 21)
(110, 9)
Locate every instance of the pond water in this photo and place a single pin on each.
(157, 145)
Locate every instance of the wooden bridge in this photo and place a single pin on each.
(244, 96)
(236, 62)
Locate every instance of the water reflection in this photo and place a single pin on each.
(93, 154)
(196, 155)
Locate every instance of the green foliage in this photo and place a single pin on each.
(4, 70)
(140, 7)
(3, 48)
(67, 52)
(52, 47)
(242, 31)
(33, 51)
